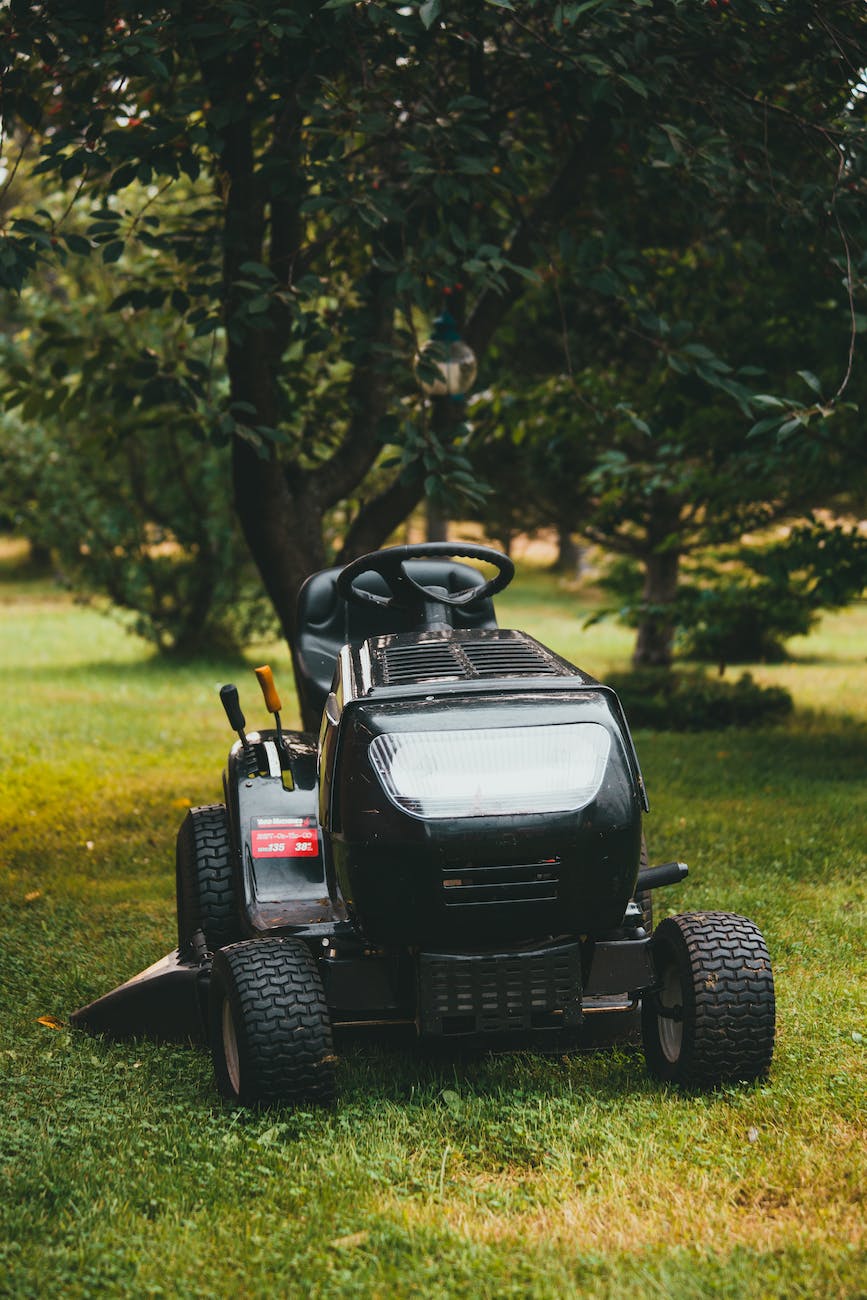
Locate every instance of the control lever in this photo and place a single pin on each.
(272, 700)
(232, 705)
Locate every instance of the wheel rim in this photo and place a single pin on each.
(671, 1031)
(230, 1049)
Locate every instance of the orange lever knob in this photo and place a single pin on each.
(269, 690)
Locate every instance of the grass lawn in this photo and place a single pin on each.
(122, 1174)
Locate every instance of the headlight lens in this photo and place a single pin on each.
(492, 772)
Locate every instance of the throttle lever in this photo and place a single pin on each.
(265, 679)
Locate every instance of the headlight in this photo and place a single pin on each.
(492, 772)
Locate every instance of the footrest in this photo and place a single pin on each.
(495, 993)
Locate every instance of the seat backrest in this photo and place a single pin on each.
(326, 622)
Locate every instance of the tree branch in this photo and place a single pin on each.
(369, 392)
(552, 207)
(378, 517)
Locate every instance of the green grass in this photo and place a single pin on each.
(122, 1174)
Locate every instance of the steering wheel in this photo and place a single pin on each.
(405, 592)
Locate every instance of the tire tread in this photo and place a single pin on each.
(282, 1023)
(729, 1004)
(205, 884)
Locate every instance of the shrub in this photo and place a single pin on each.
(740, 604)
(777, 591)
(691, 701)
(110, 464)
(146, 522)
(739, 621)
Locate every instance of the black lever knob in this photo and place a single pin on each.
(232, 705)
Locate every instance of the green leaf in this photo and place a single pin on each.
(257, 269)
(123, 176)
(785, 430)
(575, 11)
(763, 426)
(28, 110)
(208, 326)
(138, 299)
(634, 84)
(811, 381)
(112, 251)
(429, 12)
(72, 166)
(470, 166)
(78, 244)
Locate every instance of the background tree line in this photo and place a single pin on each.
(227, 229)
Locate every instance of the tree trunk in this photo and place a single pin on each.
(653, 647)
(283, 529)
(280, 507)
(569, 553)
(437, 522)
(40, 555)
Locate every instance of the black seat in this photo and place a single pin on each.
(326, 622)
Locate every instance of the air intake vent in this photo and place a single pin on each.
(463, 658)
(529, 882)
(425, 661)
(508, 658)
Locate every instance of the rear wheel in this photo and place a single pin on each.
(269, 1025)
(205, 887)
(711, 1018)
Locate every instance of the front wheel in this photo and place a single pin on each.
(710, 1019)
(269, 1025)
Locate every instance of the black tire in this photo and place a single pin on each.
(205, 885)
(711, 1020)
(269, 1025)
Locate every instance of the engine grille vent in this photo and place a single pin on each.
(480, 886)
(456, 659)
(499, 993)
(508, 658)
(427, 661)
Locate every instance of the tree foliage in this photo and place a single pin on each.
(123, 490)
(743, 610)
(691, 398)
(313, 182)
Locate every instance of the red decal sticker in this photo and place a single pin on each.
(286, 842)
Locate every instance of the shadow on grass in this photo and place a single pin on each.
(837, 660)
(149, 670)
(403, 1071)
(821, 751)
(393, 1069)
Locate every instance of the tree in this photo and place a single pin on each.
(659, 391)
(129, 502)
(354, 162)
(744, 611)
(531, 444)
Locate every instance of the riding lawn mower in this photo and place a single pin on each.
(459, 852)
